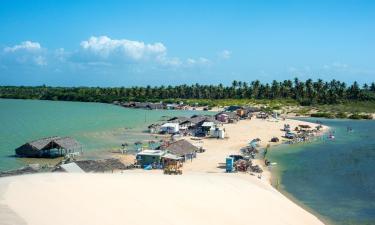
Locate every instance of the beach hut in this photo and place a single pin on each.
(170, 128)
(217, 132)
(49, 147)
(149, 157)
(182, 148)
(222, 117)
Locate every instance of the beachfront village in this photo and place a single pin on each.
(234, 140)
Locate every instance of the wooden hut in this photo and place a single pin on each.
(182, 148)
(49, 147)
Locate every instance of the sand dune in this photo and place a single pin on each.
(147, 198)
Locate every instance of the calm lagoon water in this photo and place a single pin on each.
(335, 179)
(98, 127)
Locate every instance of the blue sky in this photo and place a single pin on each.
(125, 43)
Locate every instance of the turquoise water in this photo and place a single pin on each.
(335, 179)
(98, 127)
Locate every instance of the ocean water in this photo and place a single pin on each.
(335, 179)
(98, 127)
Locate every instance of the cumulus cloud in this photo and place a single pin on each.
(115, 51)
(27, 52)
(105, 47)
(26, 45)
(99, 51)
(225, 54)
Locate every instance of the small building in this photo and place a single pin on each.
(241, 112)
(49, 147)
(183, 149)
(170, 128)
(206, 127)
(141, 105)
(148, 157)
(172, 106)
(223, 117)
(227, 117)
(154, 106)
(169, 158)
(217, 132)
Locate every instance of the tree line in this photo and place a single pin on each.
(307, 92)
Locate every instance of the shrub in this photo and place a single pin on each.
(341, 115)
(322, 114)
(356, 116)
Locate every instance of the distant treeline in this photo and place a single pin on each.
(307, 92)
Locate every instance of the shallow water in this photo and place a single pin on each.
(98, 127)
(334, 178)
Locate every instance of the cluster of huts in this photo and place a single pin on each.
(153, 105)
(197, 125)
(178, 151)
(203, 125)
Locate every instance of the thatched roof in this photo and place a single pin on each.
(179, 119)
(231, 115)
(198, 118)
(181, 148)
(67, 143)
(52, 142)
(101, 165)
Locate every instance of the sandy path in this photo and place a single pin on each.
(240, 134)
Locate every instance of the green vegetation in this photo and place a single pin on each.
(318, 98)
(360, 116)
(341, 115)
(323, 114)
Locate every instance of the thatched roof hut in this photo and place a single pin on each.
(182, 148)
(49, 147)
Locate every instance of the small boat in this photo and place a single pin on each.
(331, 136)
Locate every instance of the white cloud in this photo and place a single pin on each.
(225, 54)
(28, 52)
(100, 51)
(26, 45)
(199, 61)
(105, 47)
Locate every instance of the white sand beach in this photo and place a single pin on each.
(145, 198)
(204, 194)
(240, 134)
